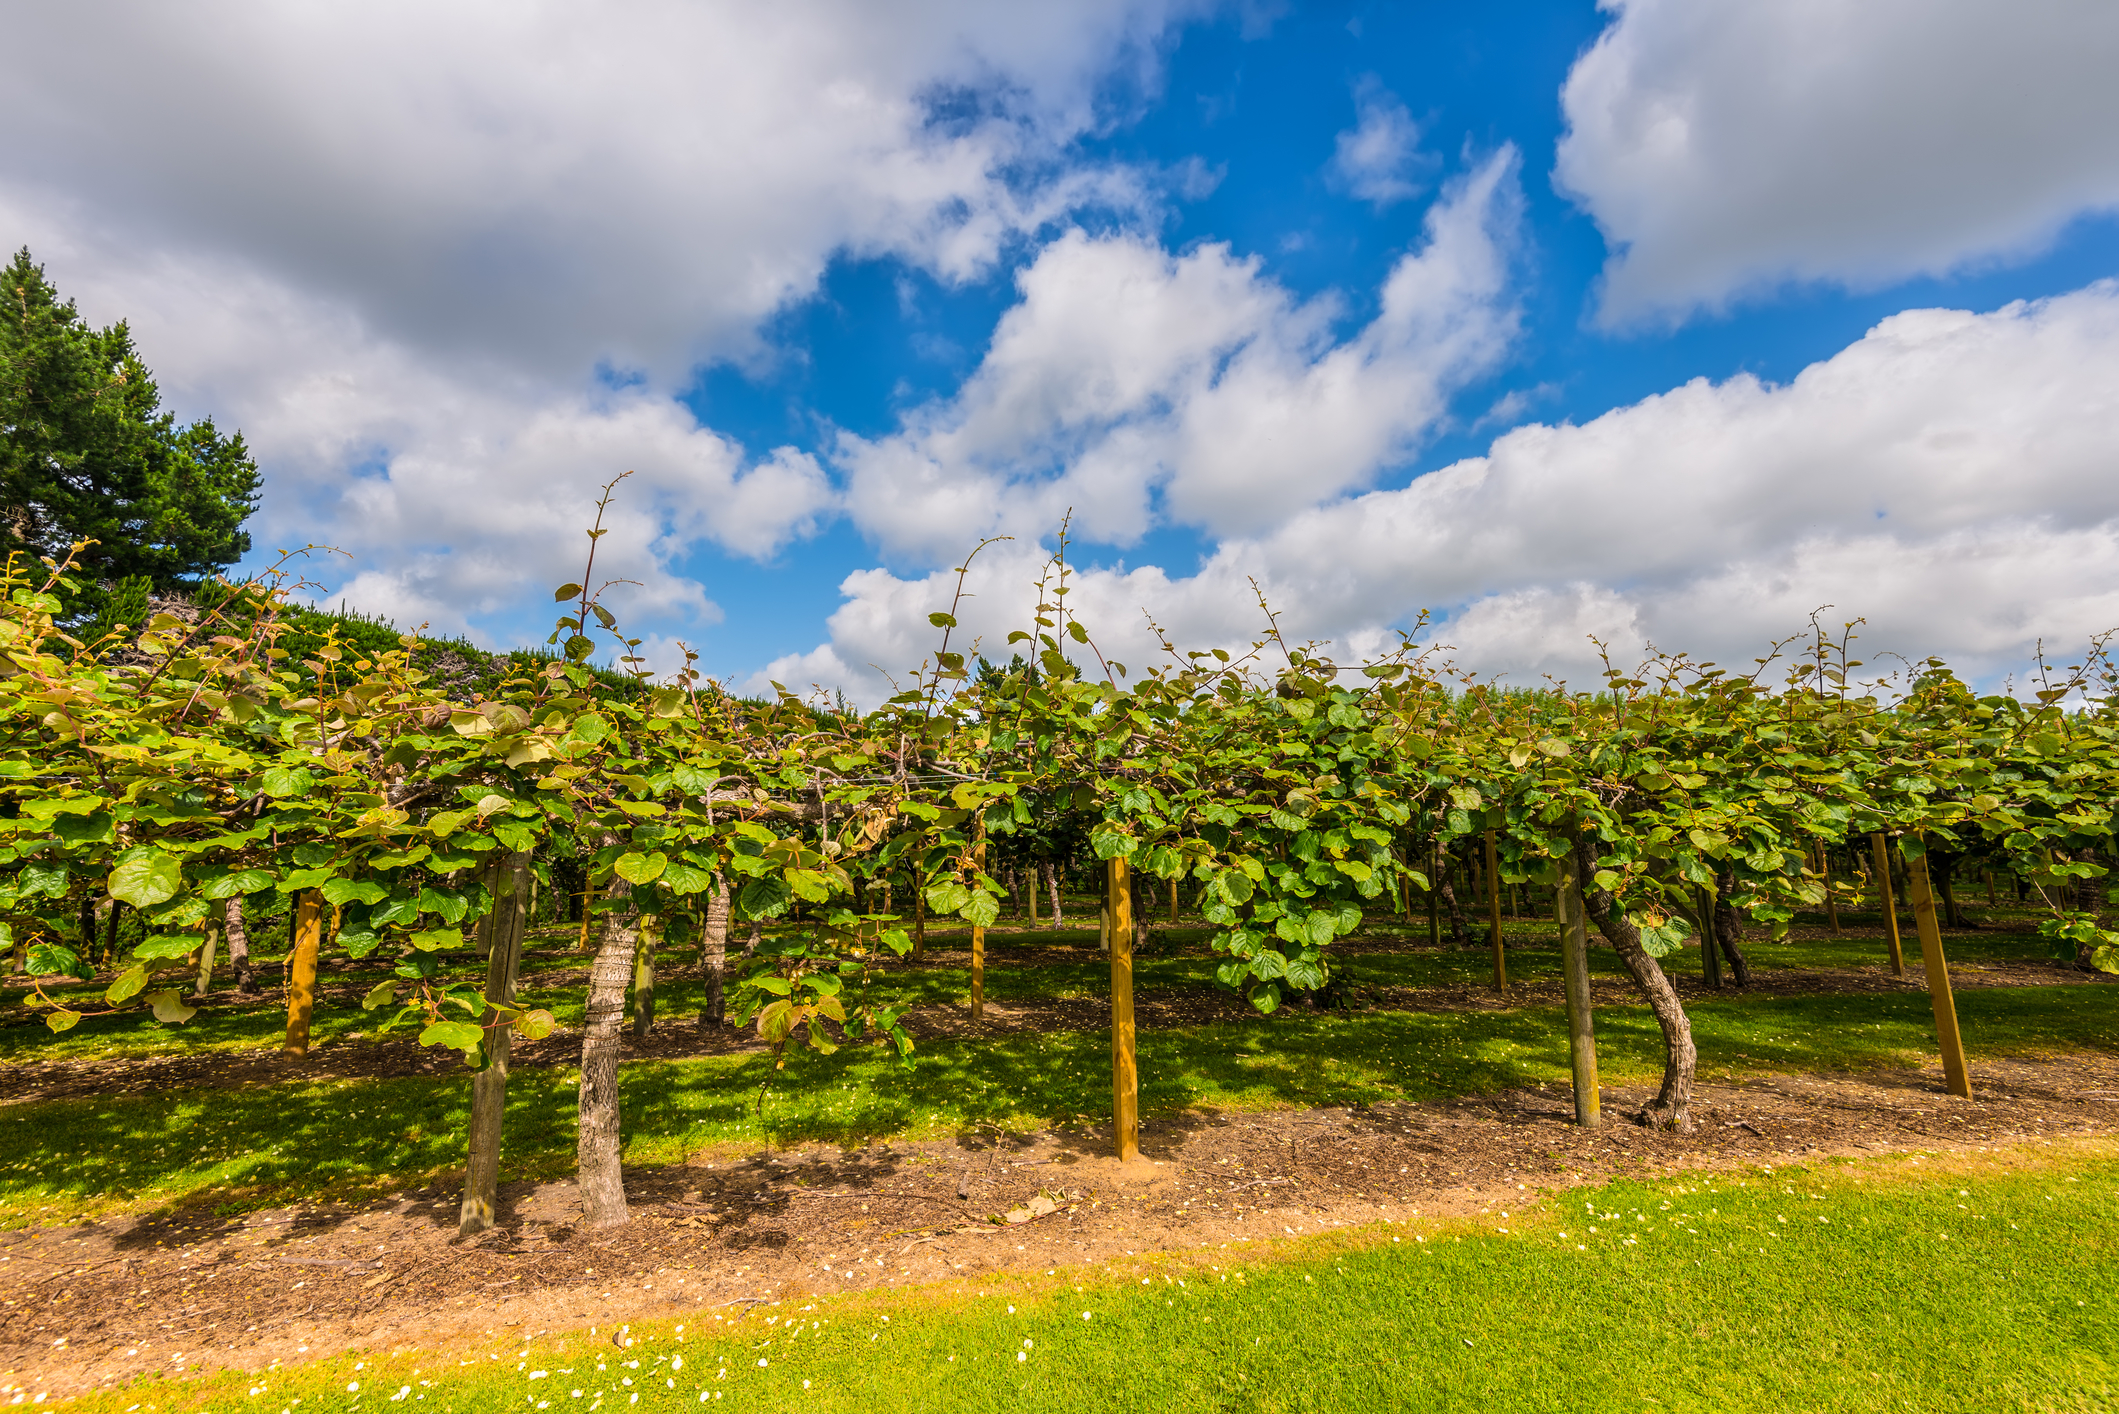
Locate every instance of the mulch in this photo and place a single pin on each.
(184, 1289)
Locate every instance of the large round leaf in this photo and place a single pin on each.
(144, 877)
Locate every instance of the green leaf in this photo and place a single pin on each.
(1267, 999)
(764, 897)
(1306, 972)
(682, 878)
(535, 1025)
(349, 890)
(810, 885)
(435, 939)
(381, 994)
(43, 879)
(62, 1019)
(85, 829)
(170, 1007)
(243, 881)
(280, 782)
(942, 620)
(465, 1036)
(565, 592)
(981, 909)
(637, 868)
(946, 896)
(163, 945)
(129, 984)
(145, 876)
(56, 960)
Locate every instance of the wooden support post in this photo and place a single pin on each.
(308, 918)
(978, 940)
(210, 929)
(581, 944)
(1173, 899)
(919, 919)
(1581, 1022)
(644, 974)
(1824, 856)
(1889, 904)
(1710, 945)
(1125, 1072)
(500, 934)
(1946, 1034)
(1030, 891)
(1434, 898)
(1493, 901)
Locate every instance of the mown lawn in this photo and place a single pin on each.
(265, 1145)
(1880, 1285)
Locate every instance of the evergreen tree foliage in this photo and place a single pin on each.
(88, 453)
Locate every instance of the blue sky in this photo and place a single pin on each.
(850, 295)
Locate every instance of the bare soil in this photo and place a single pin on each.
(184, 1290)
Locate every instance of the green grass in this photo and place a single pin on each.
(1882, 1285)
(256, 1146)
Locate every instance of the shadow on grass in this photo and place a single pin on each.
(254, 1147)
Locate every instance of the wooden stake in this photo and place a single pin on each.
(210, 927)
(500, 933)
(1125, 1072)
(308, 915)
(1434, 899)
(1173, 899)
(1946, 1034)
(1710, 945)
(582, 944)
(1493, 901)
(978, 940)
(919, 919)
(1581, 1022)
(1889, 904)
(1824, 856)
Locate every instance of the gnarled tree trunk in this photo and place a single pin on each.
(1672, 1106)
(1052, 889)
(714, 954)
(598, 1147)
(1457, 926)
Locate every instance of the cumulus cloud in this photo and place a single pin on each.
(1379, 160)
(1726, 148)
(396, 243)
(1133, 384)
(551, 185)
(1951, 478)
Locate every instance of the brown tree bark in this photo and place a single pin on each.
(1726, 929)
(598, 1146)
(1672, 1106)
(714, 953)
(1052, 891)
(644, 974)
(246, 982)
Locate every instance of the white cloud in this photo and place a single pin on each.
(1951, 477)
(1378, 160)
(549, 185)
(1725, 148)
(393, 243)
(1126, 373)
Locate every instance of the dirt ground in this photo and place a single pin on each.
(183, 1290)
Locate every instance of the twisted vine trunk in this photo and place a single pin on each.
(714, 952)
(1725, 927)
(597, 1149)
(1672, 1106)
(1052, 888)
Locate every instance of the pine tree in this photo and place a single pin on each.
(88, 453)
